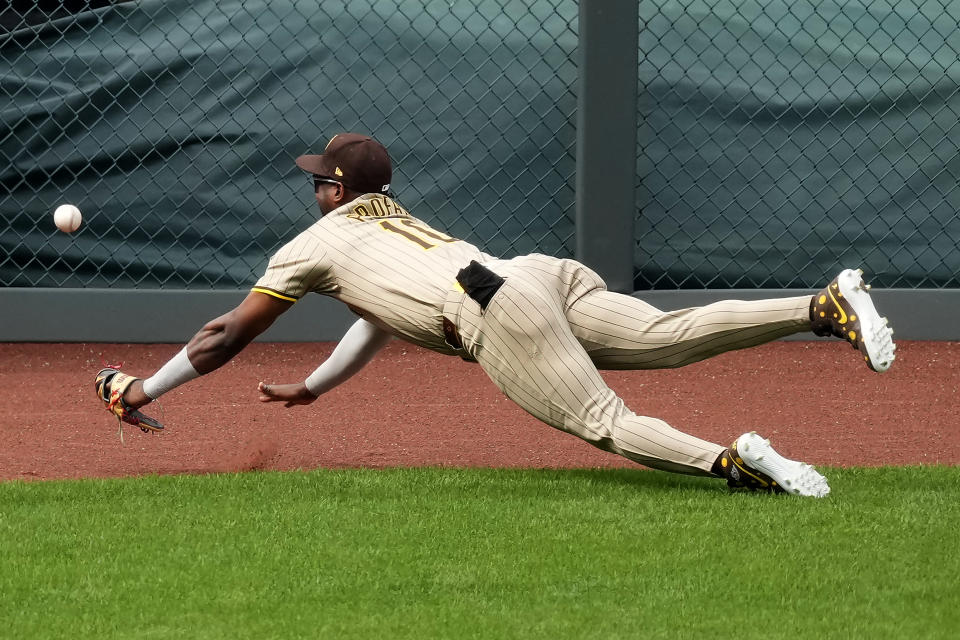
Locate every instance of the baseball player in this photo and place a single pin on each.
(539, 326)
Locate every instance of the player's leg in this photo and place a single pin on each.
(623, 332)
(524, 343)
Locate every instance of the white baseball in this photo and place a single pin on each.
(67, 218)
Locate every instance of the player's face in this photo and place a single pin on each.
(328, 192)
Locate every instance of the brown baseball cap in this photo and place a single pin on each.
(361, 163)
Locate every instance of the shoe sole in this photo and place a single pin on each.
(876, 337)
(794, 477)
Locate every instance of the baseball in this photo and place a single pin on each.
(67, 218)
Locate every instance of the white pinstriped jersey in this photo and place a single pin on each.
(391, 268)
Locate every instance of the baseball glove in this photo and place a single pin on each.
(110, 385)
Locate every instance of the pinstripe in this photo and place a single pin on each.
(558, 366)
(563, 388)
(623, 332)
(504, 358)
(690, 351)
(542, 336)
(616, 311)
(506, 347)
(393, 281)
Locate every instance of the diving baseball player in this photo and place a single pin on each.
(540, 327)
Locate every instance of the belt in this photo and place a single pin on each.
(450, 335)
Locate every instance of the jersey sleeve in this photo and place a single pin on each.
(297, 268)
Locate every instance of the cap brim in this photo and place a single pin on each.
(312, 163)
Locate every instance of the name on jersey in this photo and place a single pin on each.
(377, 207)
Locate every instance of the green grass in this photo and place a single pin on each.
(414, 553)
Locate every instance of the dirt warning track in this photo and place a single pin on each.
(411, 407)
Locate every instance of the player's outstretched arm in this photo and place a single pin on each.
(222, 338)
(357, 347)
(213, 346)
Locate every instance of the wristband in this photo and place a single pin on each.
(177, 371)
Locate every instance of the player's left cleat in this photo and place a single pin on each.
(752, 463)
(110, 385)
(844, 309)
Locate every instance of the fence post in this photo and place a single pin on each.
(606, 139)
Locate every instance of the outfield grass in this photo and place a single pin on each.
(415, 553)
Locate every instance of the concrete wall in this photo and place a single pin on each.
(145, 316)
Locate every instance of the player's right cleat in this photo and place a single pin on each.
(110, 385)
(844, 309)
(752, 463)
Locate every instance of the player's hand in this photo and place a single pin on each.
(289, 394)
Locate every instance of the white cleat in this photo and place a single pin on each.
(845, 309)
(792, 476)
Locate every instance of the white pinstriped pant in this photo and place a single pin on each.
(552, 324)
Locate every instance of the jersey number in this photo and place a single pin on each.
(417, 233)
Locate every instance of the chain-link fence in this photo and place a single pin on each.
(781, 140)
(173, 125)
(777, 140)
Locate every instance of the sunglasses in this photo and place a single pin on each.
(319, 180)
